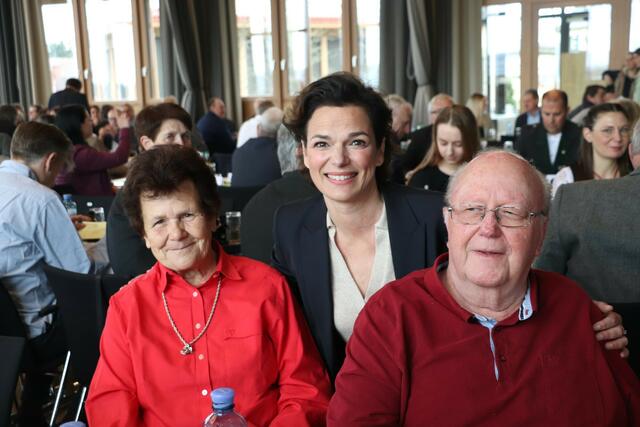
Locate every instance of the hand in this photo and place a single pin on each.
(78, 221)
(610, 329)
(122, 119)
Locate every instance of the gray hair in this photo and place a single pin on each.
(439, 97)
(394, 101)
(287, 147)
(269, 121)
(635, 140)
(546, 187)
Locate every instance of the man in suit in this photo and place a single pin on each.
(214, 129)
(257, 216)
(69, 95)
(593, 234)
(554, 143)
(421, 138)
(531, 115)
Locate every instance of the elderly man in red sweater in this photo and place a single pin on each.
(481, 338)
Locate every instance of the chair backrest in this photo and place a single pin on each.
(10, 321)
(236, 198)
(82, 308)
(11, 349)
(85, 203)
(630, 313)
(112, 284)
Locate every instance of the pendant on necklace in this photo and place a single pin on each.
(187, 349)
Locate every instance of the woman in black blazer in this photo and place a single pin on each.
(343, 126)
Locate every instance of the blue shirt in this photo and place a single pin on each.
(533, 119)
(34, 230)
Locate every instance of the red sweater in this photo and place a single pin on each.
(417, 358)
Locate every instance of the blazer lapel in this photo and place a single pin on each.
(563, 152)
(406, 234)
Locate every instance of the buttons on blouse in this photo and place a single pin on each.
(195, 294)
(198, 325)
(204, 392)
(201, 357)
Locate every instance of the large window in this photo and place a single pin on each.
(634, 36)
(60, 36)
(285, 44)
(501, 40)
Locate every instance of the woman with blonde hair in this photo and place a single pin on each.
(478, 104)
(455, 141)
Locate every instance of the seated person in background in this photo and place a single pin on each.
(257, 215)
(9, 120)
(456, 136)
(593, 234)
(249, 129)
(603, 152)
(593, 95)
(479, 104)
(90, 176)
(401, 116)
(214, 129)
(421, 138)
(155, 125)
(256, 162)
(481, 338)
(531, 115)
(227, 320)
(34, 112)
(554, 143)
(36, 230)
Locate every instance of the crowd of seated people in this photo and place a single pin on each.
(400, 276)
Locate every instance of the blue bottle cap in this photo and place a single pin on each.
(222, 397)
(66, 197)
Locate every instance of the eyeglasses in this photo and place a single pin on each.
(159, 225)
(506, 216)
(609, 131)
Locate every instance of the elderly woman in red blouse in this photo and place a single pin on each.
(199, 318)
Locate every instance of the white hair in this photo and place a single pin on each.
(439, 97)
(270, 120)
(635, 139)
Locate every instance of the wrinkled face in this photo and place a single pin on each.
(341, 153)
(437, 106)
(610, 136)
(175, 229)
(171, 131)
(553, 116)
(450, 146)
(401, 124)
(530, 103)
(486, 254)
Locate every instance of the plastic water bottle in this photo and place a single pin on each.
(223, 414)
(69, 204)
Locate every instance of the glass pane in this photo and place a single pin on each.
(501, 60)
(297, 22)
(111, 50)
(60, 36)
(155, 73)
(325, 19)
(368, 12)
(255, 54)
(634, 36)
(573, 49)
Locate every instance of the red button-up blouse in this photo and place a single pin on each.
(257, 343)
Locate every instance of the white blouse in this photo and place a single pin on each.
(347, 299)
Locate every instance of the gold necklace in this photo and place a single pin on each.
(187, 346)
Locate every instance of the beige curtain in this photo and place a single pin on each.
(38, 56)
(466, 29)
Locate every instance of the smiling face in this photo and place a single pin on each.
(450, 146)
(341, 154)
(487, 254)
(609, 136)
(176, 231)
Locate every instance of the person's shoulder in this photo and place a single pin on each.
(300, 207)
(555, 286)
(264, 280)
(410, 290)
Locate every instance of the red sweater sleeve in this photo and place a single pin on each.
(89, 159)
(370, 387)
(112, 397)
(304, 384)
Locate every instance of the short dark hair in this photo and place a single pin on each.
(637, 51)
(591, 90)
(8, 114)
(340, 90)
(160, 172)
(532, 92)
(69, 119)
(74, 83)
(32, 141)
(104, 111)
(150, 119)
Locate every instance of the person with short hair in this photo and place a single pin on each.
(214, 129)
(36, 230)
(531, 114)
(156, 125)
(553, 143)
(593, 95)
(480, 338)
(256, 164)
(249, 129)
(199, 319)
(70, 95)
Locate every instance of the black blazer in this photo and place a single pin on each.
(68, 97)
(301, 252)
(533, 146)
